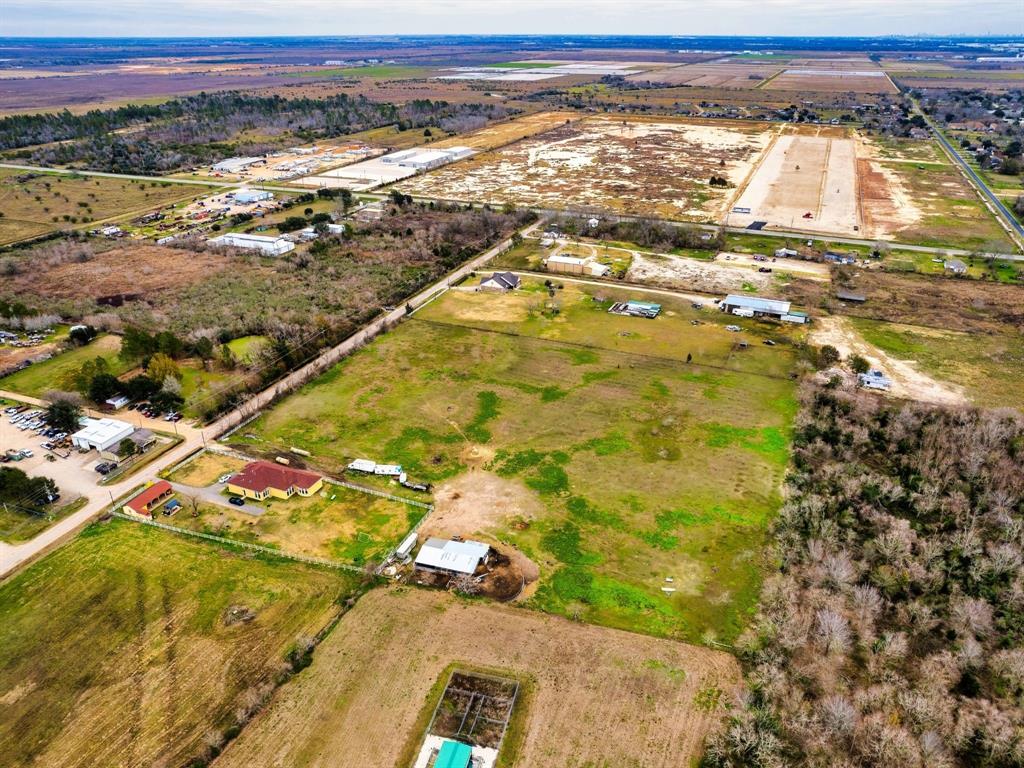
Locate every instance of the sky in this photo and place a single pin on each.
(200, 18)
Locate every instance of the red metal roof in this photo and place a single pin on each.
(148, 496)
(261, 475)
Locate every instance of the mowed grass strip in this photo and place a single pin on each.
(121, 648)
(646, 468)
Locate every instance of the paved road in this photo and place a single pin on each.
(979, 183)
(13, 556)
(133, 177)
(780, 234)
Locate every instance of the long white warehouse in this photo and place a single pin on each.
(270, 246)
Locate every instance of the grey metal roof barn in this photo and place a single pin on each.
(446, 555)
(759, 305)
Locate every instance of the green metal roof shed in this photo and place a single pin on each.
(453, 754)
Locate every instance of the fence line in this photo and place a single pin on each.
(382, 494)
(243, 544)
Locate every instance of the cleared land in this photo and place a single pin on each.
(843, 74)
(499, 135)
(36, 203)
(620, 465)
(637, 166)
(359, 702)
(134, 647)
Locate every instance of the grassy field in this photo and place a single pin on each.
(245, 347)
(338, 524)
(989, 366)
(205, 469)
(131, 646)
(636, 465)
(40, 377)
(36, 203)
(635, 701)
(17, 525)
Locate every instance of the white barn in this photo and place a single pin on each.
(101, 434)
(450, 556)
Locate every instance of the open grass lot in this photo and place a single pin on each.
(36, 203)
(205, 468)
(121, 648)
(988, 366)
(634, 701)
(950, 211)
(618, 463)
(337, 524)
(40, 377)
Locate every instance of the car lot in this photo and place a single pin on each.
(73, 475)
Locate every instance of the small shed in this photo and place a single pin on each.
(453, 754)
(852, 296)
(955, 266)
(363, 465)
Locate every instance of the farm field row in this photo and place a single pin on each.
(584, 439)
(132, 646)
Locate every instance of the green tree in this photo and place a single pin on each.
(227, 357)
(126, 448)
(204, 348)
(103, 386)
(858, 364)
(161, 366)
(827, 356)
(65, 415)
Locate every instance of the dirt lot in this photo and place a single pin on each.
(645, 167)
(939, 302)
(825, 180)
(125, 270)
(843, 74)
(357, 705)
(908, 381)
(691, 274)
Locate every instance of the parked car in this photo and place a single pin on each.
(733, 328)
(764, 269)
(238, 501)
(225, 478)
(768, 342)
(26, 453)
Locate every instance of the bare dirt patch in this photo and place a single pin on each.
(690, 274)
(358, 703)
(907, 380)
(480, 502)
(643, 167)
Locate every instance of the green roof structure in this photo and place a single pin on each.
(453, 754)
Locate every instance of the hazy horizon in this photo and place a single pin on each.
(319, 18)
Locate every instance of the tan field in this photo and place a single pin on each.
(494, 136)
(713, 74)
(360, 701)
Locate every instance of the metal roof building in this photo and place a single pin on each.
(236, 164)
(269, 246)
(252, 196)
(456, 556)
(758, 305)
(453, 754)
(101, 434)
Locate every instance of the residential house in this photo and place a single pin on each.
(263, 479)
